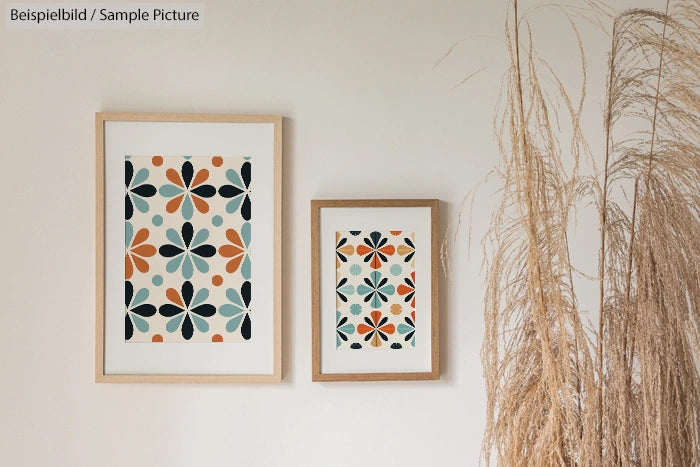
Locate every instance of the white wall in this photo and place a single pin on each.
(366, 115)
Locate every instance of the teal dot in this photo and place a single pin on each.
(188, 157)
(157, 220)
(396, 269)
(157, 280)
(355, 270)
(217, 221)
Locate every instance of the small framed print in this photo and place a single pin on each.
(188, 248)
(375, 290)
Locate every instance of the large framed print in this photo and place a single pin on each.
(375, 290)
(188, 244)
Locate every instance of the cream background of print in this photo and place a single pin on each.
(217, 238)
(344, 270)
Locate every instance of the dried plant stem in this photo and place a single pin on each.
(601, 253)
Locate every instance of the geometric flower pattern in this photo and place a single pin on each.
(375, 290)
(187, 258)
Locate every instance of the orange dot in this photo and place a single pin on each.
(217, 280)
(395, 232)
(217, 338)
(217, 161)
(157, 161)
(157, 338)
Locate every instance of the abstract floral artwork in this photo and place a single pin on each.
(187, 262)
(375, 291)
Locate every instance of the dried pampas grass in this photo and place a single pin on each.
(628, 394)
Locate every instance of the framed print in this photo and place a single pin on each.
(375, 290)
(188, 248)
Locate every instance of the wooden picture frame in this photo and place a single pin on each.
(385, 299)
(169, 177)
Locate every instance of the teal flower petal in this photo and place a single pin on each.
(233, 324)
(128, 233)
(187, 268)
(347, 289)
(200, 264)
(170, 191)
(174, 237)
(229, 310)
(187, 207)
(199, 297)
(245, 267)
(337, 316)
(233, 205)
(347, 328)
(387, 289)
(234, 178)
(174, 264)
(362, 289)
(376, 277)
(234, 297)
(174, 324)
(139, 178)
(376, 302)
(200, 237)
(140, 296)
(140, 203)
(404, 329)
(201, 324)
(337, 340)
(140, 323)
(245, 234)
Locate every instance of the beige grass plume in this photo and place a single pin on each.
(631, 397)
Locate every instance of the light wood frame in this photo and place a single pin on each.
(316, 207)
(100, 376)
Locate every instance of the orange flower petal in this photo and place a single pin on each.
(201, 205)
(174, 297)
(128, 267)
(403, 289)
(174, 204)
(234, 237)
(140, 237)
(388, 250)
(376, 263)
(376, 316)
(388, 329)
(201, 177)
(174, 177)
(363, 328)
(363, 250)
(232, 266)
(141, 264)
(229, 251)
(144, 250)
